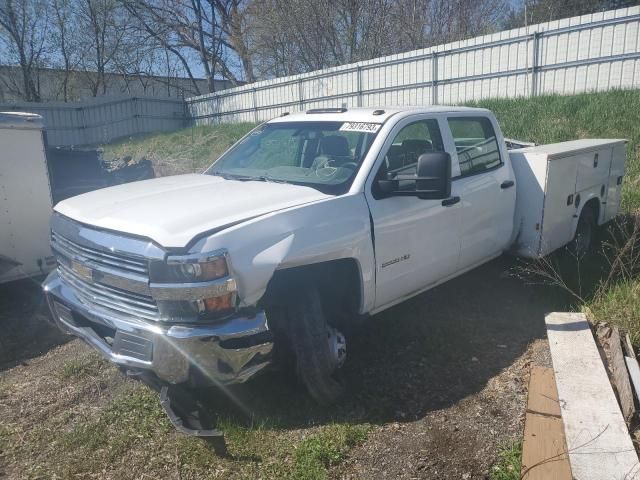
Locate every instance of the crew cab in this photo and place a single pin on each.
(306, 226)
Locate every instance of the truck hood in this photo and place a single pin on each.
(173, 210)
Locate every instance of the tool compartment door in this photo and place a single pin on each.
(531, 175)
(614, 184)
(559, 207)
(593, 168)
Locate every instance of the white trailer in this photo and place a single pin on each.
(25, 198)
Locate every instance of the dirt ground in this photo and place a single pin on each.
(440, 378)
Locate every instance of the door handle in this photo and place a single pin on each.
(447, 202)
(507, 184)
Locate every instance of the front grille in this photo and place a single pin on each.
(112, 299)
(124, 263)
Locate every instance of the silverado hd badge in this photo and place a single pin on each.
(404, 257)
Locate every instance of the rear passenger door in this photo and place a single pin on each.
(486, 185)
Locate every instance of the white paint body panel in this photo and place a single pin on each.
(549, 174)
(330, 229)
(174, 210)
(25, 197)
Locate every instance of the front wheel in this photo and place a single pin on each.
(319, 348)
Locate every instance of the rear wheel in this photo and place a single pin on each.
(319, 348)
(585, 233)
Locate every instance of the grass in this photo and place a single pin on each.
(619, 305)
(330, 447)
(89, 365)
(509, 463)
(268, 453)
(127, 420)
(184, 151)
(548, 119)
(130, 433)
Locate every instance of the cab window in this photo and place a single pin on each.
(411, 142)
(476, 144)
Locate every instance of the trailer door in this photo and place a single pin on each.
(25, 201)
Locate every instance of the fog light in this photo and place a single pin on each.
(216, 304)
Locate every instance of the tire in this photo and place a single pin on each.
(584, 238)
(308, 333)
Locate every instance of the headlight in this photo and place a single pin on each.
(202, 279)
(190, 269)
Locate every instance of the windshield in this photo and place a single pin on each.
(323, 155)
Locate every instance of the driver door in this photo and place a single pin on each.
(417, 242)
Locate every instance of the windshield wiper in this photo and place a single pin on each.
(226, 176)
(248, 178)
(230, 176)
(267, 178)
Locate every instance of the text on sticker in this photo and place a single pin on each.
(360, 127)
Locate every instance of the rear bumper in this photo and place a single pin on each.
(230, 351)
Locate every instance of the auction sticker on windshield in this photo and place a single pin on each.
(360, 127)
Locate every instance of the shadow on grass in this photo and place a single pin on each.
(613, 260)
(26, 330)
(426, 354)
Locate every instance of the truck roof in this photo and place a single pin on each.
(369, 115)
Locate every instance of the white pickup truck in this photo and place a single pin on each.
(306, 226)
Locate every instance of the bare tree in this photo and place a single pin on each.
(236, 29)
(104, 26)
(65, 40)
(23, 33)
(211, 30)
(293, 36)
(528, 12)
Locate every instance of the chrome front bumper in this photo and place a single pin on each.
(230, 351)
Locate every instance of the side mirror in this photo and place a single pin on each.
(433, 176)
(387, 187)
(432, 179)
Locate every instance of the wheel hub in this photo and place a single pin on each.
(337, 347)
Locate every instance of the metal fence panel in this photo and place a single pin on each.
(588, 53)
(99, 121)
